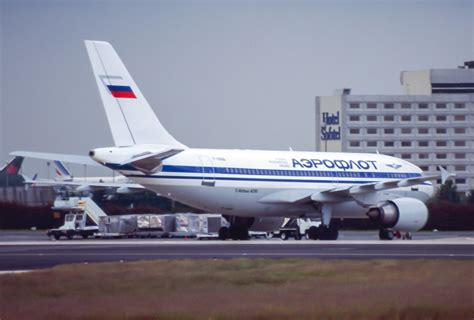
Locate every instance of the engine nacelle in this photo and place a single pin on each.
(403, 214)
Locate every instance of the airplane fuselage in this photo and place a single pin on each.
(240, 182)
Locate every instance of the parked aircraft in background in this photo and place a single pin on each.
(13, 166)
(246, 185)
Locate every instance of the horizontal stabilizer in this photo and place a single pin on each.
(69, 158)
(82, 186)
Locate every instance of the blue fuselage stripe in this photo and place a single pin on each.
(217, 171)
(247, 179)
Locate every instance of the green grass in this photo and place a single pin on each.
(244, 289)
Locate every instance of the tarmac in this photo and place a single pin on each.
(30, 250)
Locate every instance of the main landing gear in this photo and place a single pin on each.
(323, 232)
(328, 229)
(238, 230)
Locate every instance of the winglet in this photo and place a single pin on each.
(445, 174)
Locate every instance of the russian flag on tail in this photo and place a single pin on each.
(121, 91)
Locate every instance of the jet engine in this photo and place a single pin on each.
(403, 214)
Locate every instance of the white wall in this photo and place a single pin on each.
(416, 82)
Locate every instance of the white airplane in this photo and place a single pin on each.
(246, 185)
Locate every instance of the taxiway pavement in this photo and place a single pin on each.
(20, 252)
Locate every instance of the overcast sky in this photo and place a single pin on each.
(219, 74)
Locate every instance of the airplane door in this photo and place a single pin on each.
(208, 171)
(335, 179)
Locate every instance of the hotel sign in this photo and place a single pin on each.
(331, 128)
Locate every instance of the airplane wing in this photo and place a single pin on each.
(70, 158)
(339, 194)
(391, 184)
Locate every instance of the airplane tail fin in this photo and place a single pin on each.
(62, 173)
(131, 119)
(13, 166)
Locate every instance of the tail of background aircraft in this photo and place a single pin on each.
(14, 166)
(62, 173)
(131, 119)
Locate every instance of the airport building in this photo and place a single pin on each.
(431, 124)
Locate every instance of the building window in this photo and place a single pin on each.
(354, 131)
(423, 143)
(371, 130)
(440, 118)
(423, 130)
(371, 143)
(406, 143)
(389, 118)
(388, 131)
(406, 106)
(460, 118)
(422, 106)
(354, 118)
(406, 118)
(459, 130)
(460, 181)
(406, 131)
(441, 131)
(441, 156)
(423, 118)
(459, 106)
(354, 143)
(371, 118)
(441, 106)
(406, 156)
(460, 168)
(423, 156)
(371, 105)
(354, 106)
(459, 143)
(388, 106)
(389, 144)
(441, 143)
(459, 156)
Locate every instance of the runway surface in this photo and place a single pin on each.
(20, 252)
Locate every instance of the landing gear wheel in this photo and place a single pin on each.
(244, 233)
(323, 232)
(238, 232)
(333, 233)
(297, 235)
(223, 233)
(283, 236)
(313, 233)
(234, 232)
(328, 232)
(386, 234)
